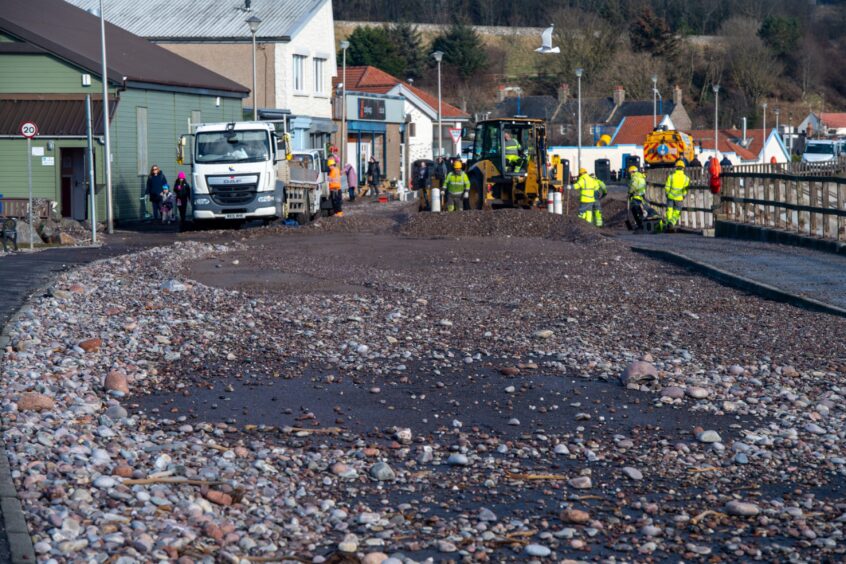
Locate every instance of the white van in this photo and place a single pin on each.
(820, 151)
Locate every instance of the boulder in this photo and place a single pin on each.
(116, 382)
(91, 345)
(26, 234)
(639, 372)
(67, 239)
(32, 401)
(49, 231)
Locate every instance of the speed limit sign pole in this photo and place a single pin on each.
(29, 130)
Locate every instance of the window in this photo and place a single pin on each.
(143, 168)
(412, 129)
(298, 72)
(319, 80)
(238, 146)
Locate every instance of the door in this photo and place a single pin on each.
(74, 189)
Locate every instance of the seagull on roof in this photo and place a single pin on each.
(546, 41)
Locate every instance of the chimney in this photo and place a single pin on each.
(564, 92)
(677, 95)
(619, 95)
(744, 141)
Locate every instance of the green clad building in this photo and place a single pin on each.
(49, 60)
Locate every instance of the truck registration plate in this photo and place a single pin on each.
(235, 215)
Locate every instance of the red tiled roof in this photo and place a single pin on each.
(376, 81)
(633, 130)
(730, 141)
(833, 121)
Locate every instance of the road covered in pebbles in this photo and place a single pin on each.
(393, 387)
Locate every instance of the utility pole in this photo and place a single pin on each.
(654, 101)
(344, 46)
(439, 55)
(579, 72)
(716, 89)
(110, 210)
(254, 22)
(764, 140)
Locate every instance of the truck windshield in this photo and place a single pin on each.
(232, 147)
(819, 149)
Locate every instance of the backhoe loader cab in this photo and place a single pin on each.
(508, 165)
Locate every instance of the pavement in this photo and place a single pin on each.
(809, 278)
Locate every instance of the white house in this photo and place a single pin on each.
(421, 110)
(742, 147)
(824, 124)
(295, 51)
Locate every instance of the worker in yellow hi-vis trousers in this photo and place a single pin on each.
(676, 188)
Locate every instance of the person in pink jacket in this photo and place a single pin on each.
(352, 180)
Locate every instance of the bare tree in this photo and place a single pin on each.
(753, 68)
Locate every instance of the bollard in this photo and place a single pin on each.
(436, 200)
(558, 204)
(550, 202)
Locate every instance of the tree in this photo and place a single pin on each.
(781, 34)
(409, 46)
(373, 46)
(651, 33)
(753, 68)
(463, 49)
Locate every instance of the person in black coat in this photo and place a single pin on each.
(440, 172)
(156, 184)
(422, 180)
(374, 174)
(182, 190)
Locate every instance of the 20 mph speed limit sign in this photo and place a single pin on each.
(29, 129)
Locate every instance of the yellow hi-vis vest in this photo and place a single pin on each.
(637, 186)
(457, 183)
(512, 149)
(676, 186)
(587, 186)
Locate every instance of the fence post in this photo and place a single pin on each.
(840, 219)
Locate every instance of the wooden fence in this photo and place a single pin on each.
(768, 196)
(19, 208)
(698, 211)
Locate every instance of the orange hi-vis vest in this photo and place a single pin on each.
(334, 178)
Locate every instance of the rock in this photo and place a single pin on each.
(575, 516)
(672, 392)
(514, 422)
(561, 448)
(349, 544)
(123, 470)
(219, 498)
(458, 459)
(537, 550)
(815, 429)
(116, 413)
(543, 334)
(382, 472)
(742, 509)
(509, 371)
(27, 234)
(741, 458)
(446, 547)
(633, 473)
(374, 558)
(116, 382)
(173, 286)
(32, 401)
(709, 437)
(697, 393)
(403, 435)
(486, 514)
(67, 239)
(580, 482)
(105, 482)
(91, 345)
(639, 372)
(736, 370)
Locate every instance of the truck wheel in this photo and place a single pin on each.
(305, 216)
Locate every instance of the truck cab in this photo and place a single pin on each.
(235, 171)
(821, 151)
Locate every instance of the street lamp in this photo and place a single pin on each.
(110, 212)
(764, 139)
(654, 101)
(439, 56)
(254, 22)
(716, 89)
(579, 72)
(344, 46)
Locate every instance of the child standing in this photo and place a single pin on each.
(183, 193)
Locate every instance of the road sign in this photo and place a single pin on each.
(455, 133)
(29, 129)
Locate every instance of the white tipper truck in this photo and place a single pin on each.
(244, 171)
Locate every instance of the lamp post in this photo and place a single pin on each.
(654, 101)
(344, 46)
(254, 22)
(764, 139)
(579, 72)
(439, 56)
(716, 89)
(110, 212)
